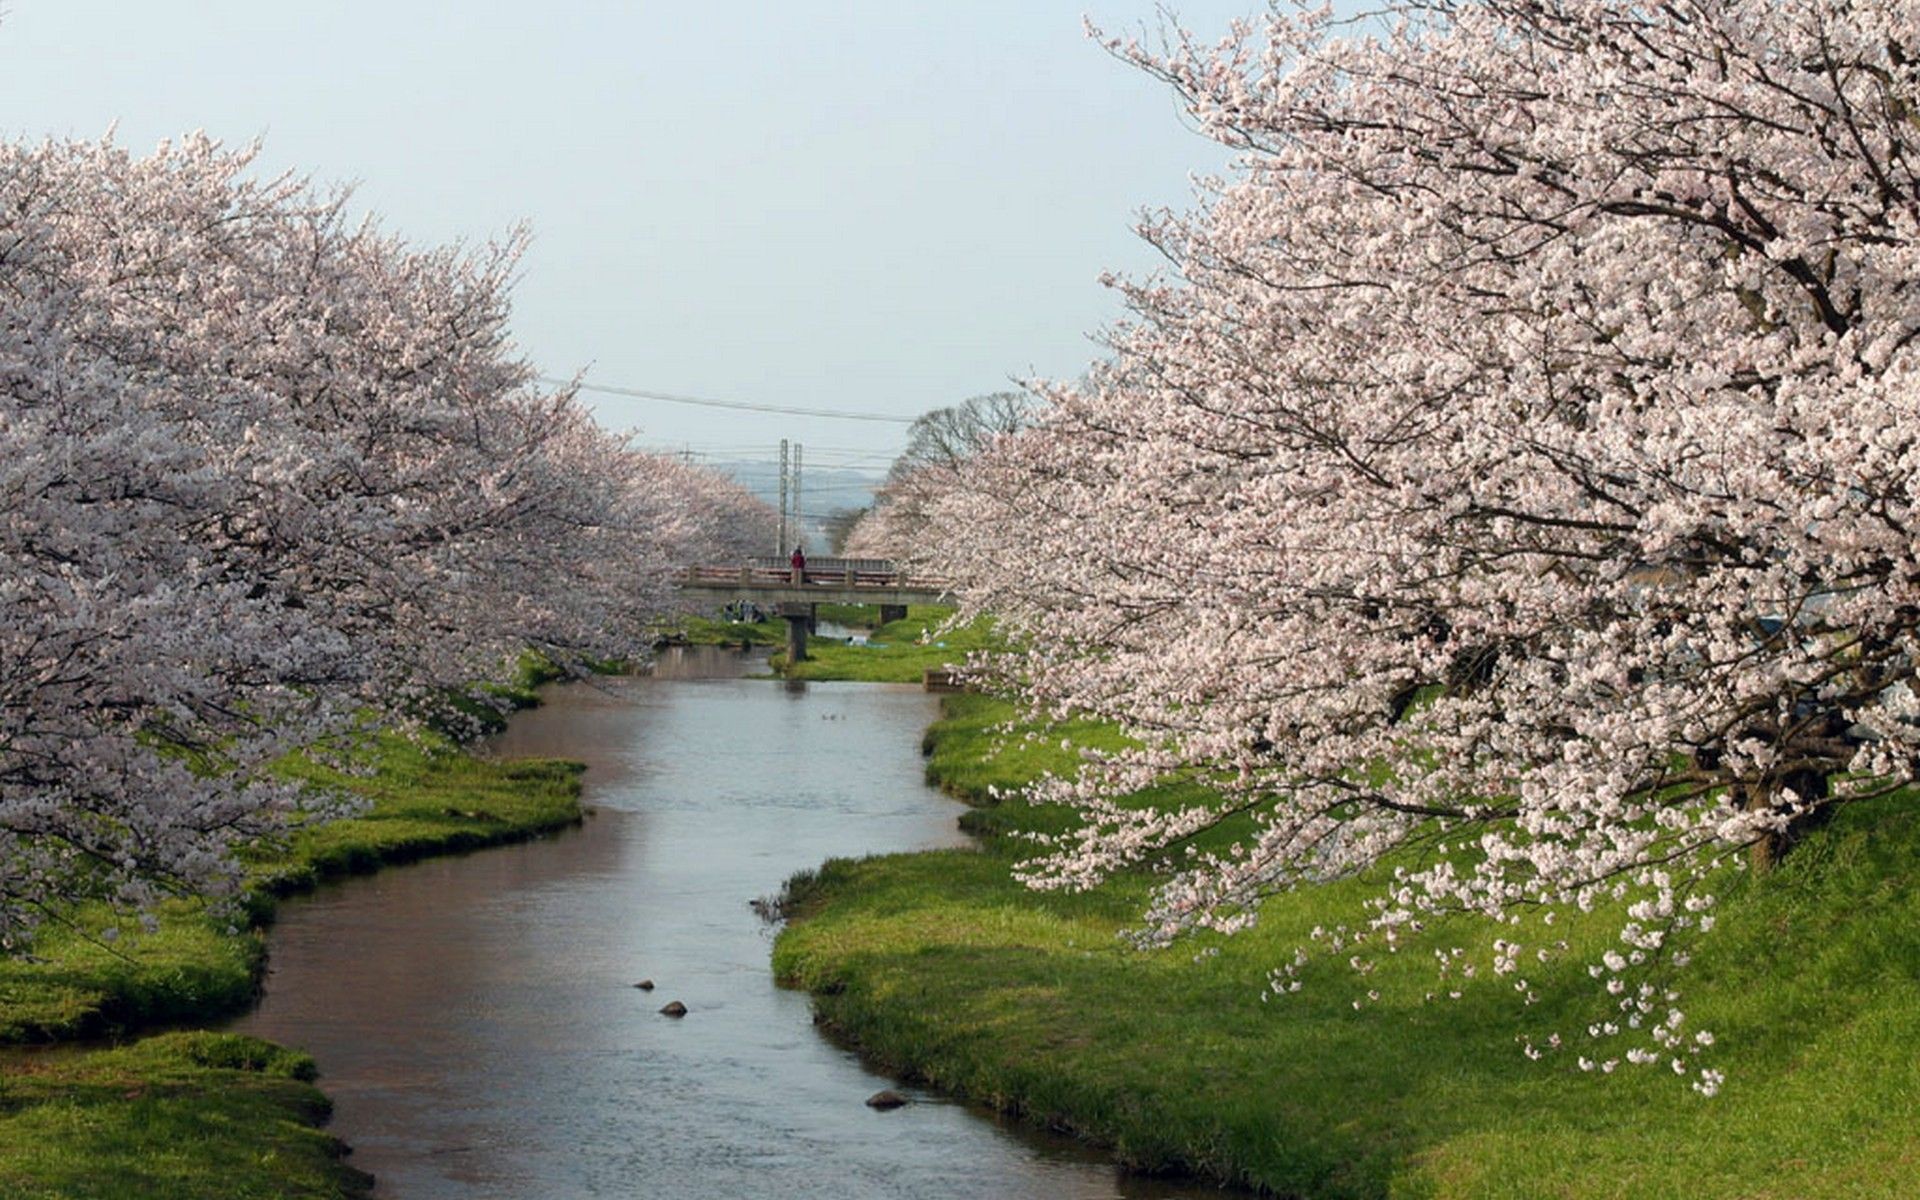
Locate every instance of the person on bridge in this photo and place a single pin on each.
(799, 564)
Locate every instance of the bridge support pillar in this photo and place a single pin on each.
(799, 619)
(892, 612)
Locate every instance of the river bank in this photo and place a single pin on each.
(478, 1019)
(205, 1116)
(943, 968)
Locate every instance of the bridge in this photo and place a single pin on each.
(773, 584)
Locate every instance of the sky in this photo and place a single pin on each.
(880, 207)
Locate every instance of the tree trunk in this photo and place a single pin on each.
(1765, 850)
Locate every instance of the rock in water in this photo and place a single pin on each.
(886, 1099)
(645, 985)
(674, 1008)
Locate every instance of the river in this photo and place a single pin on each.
(475, 1019)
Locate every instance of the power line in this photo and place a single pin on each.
(757, 453)
(759, 448)
(737, 405)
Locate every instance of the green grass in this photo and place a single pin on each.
(853, 616)
(78, 985)
(424, 799)
(706, 631)
(941, 966)
(896, 653)
(180, 1116)
(484, 708)
(215, 1117)
(421, 799)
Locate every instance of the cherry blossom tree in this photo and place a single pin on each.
(120, 645)
(724, 522)
(1513, 487)
(267, 471)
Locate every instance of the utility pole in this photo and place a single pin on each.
(798, 522)
(781, 549)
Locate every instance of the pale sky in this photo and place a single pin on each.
(881, 207)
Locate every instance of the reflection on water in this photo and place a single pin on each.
(678, 662)
(475, 1018)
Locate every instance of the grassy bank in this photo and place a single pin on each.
(942, 967)
(197, 1115)
(179, 1116)
(198, 963)
(897, 652)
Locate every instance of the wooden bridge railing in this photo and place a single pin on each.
(875, 573)
(870, 566)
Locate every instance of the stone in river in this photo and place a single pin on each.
(674, 1008)
(645, 985)
(886, 1099)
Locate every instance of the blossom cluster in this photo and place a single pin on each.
(266, 471)
(1512, 487)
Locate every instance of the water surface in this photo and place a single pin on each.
(475, 1018)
